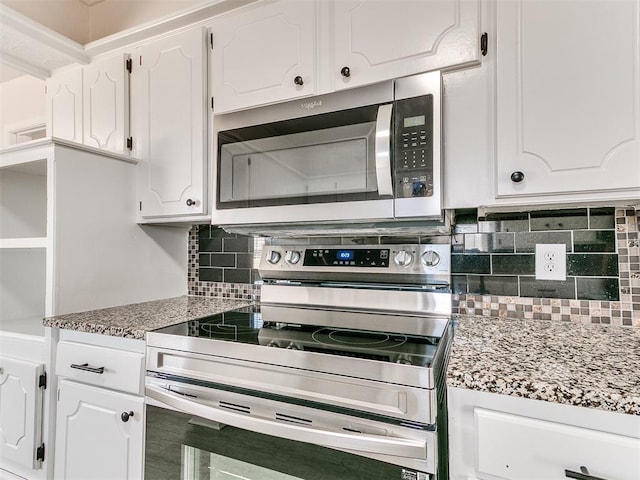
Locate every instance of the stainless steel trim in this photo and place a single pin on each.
(407, 87)
(355, 369)
(433, 303)
(414, 273)
(389, 400)
(432, 326)
(377, 93)
(383, 149)
(313, 212)
(359, 443)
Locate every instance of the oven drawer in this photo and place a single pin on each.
(101, 366)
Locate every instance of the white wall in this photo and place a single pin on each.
(22, 104)
(112, 16)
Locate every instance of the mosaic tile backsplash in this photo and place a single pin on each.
(493, 264)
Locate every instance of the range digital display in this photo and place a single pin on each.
(345, 255)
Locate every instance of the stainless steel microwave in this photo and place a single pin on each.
(367, 154)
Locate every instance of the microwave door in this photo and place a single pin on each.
(340, 172)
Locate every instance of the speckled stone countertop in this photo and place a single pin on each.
(134, 320)
(596, 366)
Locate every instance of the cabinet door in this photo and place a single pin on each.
(382, 40)
(568, 115)
(264, 55)
(64, 105)
(92, 438)
(20, 412)
(106, 103)
(169, 125)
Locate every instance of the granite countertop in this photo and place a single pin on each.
(134, 320)
(596, 366)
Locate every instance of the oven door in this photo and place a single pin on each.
(297, 166)
(213, 434)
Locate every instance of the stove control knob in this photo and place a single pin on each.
(430, 258)
(273, 344)
(403, 361)
(292, 257)
(273, 257)
(403, 258)
(292, 346)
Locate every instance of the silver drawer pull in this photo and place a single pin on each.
(85, 367)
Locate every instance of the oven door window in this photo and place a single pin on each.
(325, 158)
(185, 447)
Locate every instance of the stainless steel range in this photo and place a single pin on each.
(341, 364)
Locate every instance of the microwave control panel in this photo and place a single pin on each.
(413, 151)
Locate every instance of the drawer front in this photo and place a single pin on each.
(100, 366)
(515, 447)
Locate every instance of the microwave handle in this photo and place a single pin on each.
(383, 149)
(365, 443)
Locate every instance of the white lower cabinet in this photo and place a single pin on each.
(21, 409)
(502, 437)
(100, 410)
(546, 449)
(99, 433)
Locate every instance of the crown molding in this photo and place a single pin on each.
(33, 48)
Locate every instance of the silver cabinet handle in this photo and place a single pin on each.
(383, 149)
(398, 447)
(85, 367)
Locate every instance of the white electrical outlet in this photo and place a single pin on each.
(551, 261)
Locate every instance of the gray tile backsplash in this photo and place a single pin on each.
(603, 274)
(493, 263)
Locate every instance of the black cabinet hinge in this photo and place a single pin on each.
(141, 205)
(130, 143)
(40, 453)
(42, 381)
(211, 40)
(129, 65)
(211, 103)
(484, 43)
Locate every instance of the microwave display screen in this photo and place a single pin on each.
(414, 121)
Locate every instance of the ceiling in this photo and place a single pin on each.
(85, 21)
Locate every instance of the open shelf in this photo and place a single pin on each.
(23, 201)
(22, 290)
(23, 247)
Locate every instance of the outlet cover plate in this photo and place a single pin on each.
(551, 261)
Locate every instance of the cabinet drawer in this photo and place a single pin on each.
(515, 447)
(104, 367)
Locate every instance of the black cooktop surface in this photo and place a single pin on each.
(248, 325)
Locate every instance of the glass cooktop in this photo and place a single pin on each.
(249, 326)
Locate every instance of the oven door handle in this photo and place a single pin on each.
(354, 442)
(383, 149)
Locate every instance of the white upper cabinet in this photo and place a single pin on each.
(282, 50)
(90, 104)
(64, 105)
(264, 54)
(106, 103)
(168, 125)
(568, 114)
(377, 40)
